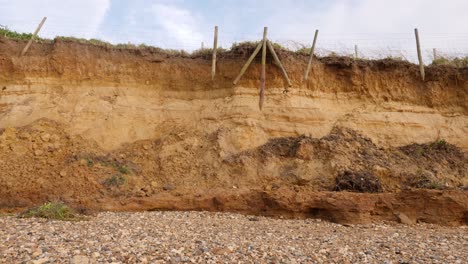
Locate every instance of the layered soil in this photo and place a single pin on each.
(120, 129)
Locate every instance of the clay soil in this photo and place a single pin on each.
(342, 175)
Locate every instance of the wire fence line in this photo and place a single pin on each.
(399, 45)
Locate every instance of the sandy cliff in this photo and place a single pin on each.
(75, 115)
(120, 96)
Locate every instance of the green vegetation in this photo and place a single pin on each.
(419, 151)
(303, 50)
(96, 42)
(278, 46)
(118, 166)
(125, 46)
(89, 162)
(455, 62)
(122, 169)
(206, 52)
(428, 149)
(435, 185)
(245, 44)
(52, 210)
(426, 184)
(440, 143)
(253, 44)
(115, 181)
(425, 180)
(5, 32)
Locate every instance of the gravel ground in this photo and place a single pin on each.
(202, 237)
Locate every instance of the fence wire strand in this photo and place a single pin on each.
(370, 46)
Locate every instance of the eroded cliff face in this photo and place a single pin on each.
(120, 96)
(122, 129)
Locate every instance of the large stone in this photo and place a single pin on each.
(305, 151)
(404, 219)
(41, 261)
(79, 259)
(45, 137)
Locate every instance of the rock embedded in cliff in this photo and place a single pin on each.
(168, 187)
(45, 137)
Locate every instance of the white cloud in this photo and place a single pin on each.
(64, 17)
(178, 24)
(374, 16)
(370, 16)
(378, 25)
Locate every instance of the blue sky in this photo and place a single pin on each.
(184, 24)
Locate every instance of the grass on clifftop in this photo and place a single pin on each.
(15, 35)
(52, 210)
(456, 62)
(207, 52)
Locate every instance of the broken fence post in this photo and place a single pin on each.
(33, 37)
(215, 48)
(418, 46)
(306, 75)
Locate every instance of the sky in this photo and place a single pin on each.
(383, 25)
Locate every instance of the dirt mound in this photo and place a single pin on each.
(40, 162)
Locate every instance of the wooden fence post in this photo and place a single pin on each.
(247, 64)
(33, 36)
(306, 75)
(262, 77)
(434, 52)
(215, 49)
(278, 62)
(356, 56)
(418, 46)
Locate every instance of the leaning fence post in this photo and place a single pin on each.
(33, 36)
(418, 46)
(306, 75)
(262, 78)
(278, 62)
(215, 48)
(247, 64)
